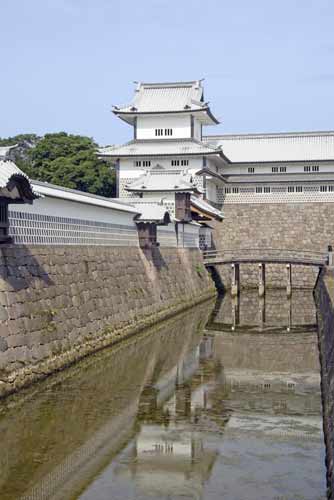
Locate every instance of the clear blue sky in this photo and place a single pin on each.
(267, 64)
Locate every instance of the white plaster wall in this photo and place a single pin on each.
(197, 129)
(128, 166)
(170, 196)
(180, 124)
(266, 168)
(64, 208)
(211, 191)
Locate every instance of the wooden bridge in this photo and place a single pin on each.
(263, 256)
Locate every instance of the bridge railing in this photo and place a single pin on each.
(272, 255)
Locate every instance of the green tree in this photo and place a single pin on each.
(63, 159)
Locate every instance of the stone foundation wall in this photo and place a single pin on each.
(57, 304)
(324, 297)
(299, 226)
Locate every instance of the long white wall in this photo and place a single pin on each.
(55, 221)
(70, 209)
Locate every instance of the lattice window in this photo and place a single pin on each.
(311, 189)
(170, 206)
(281, 194)
(198, 181)
(123, 193)
(220, 194)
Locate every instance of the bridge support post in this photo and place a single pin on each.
(235, 281)
(288, 280)
(330, 255)
(262, 312)
(288, 328)
(235, 312)
(262, 280)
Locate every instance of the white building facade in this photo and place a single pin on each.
(167, 150)
(168, 146)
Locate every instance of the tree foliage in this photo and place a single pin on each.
(63, 159)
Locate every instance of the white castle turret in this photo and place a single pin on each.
(167, 157)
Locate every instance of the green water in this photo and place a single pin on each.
(218, 403)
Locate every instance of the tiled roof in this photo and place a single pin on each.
(281, 147)
(152, 212)
(202, 205)
(157, 97)
(14, 184)
(161, 180)
(47, 189)
(5, 150)
(156, 147)
(7, 170)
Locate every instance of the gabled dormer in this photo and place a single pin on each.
(167, 111)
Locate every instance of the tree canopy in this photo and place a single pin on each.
(63, 159)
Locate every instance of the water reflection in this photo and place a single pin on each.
(177, 413)
(273, 312)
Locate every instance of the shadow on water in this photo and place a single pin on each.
(176, 412)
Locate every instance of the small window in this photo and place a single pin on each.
(175, 163)
(299, 189)
(184, 163)
(267, 189)
(158, 132)
(315, 168)
(251, 170)
(307, 168)
(274, 170)
(258, 189)
(138, 163)
(227, 190)
(323, 189)
(146, 163)
(291, 189)
(282, 169)
(331, 188)
(168, 131)
(235, 190)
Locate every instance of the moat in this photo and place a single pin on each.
(221, 402)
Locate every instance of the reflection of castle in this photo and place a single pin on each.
(171, 460)
(169, 456)
(266, 367)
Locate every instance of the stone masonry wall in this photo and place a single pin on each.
(57, 304)
(324, 298)
(299, 226)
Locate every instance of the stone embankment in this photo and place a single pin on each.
(324, 297)
(58, 304)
